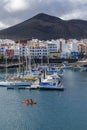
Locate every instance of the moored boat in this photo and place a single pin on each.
(66, 66)
(83, 67)
(15, 84)
(52, 82)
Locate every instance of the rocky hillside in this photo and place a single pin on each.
(44, 27)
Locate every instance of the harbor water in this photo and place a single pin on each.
(55, 110)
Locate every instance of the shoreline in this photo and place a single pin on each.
(59, 64)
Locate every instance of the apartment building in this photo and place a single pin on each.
(38, 50)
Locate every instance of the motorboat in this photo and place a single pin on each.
(66, 66)
(15, 84)
(52, 82)
(83, 67)
(76, 68)
(54, 69)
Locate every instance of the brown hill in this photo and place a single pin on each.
(44, 27)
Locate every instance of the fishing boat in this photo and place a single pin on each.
(52, 82)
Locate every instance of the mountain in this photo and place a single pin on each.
(46, 27)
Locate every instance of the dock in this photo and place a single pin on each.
(11, 65)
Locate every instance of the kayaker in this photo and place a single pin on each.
(27, 101)
(31, 101)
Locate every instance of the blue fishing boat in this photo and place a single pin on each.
(52, 82)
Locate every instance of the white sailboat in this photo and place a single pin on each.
(15, 83)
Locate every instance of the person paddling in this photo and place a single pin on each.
(31, 101)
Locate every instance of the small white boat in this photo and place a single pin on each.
(54, 69)
(83, 67)
(15, 84)
(76, 68)
(66, 66)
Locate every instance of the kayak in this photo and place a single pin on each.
(28, 102)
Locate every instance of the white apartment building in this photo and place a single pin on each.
(67, 47)
(7, 47)
(23, 50)
(38, 50)
(52, 46)
(16, 50)
(7, 41)
(2, 50)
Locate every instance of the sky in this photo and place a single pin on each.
(16, 11)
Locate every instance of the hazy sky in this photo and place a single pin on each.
(16, 11)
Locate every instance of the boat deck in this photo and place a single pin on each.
(35, 85)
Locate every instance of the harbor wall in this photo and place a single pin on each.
(15, 63)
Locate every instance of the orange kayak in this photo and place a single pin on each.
(28, 102)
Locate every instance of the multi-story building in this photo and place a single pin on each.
(38, 50)
(23, 50)
(52, 46)
(2, 50)
(16, 50)
(68, 47)
(7, 47)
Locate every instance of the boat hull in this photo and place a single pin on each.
(48, 88)
(18, 84)
(61, 88)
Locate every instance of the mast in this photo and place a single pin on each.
(19, 57)
(29, 60)
(6, 71)
(6, 64)
(26, 58)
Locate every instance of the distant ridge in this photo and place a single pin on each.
(46, 27)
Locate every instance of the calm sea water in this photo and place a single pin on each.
(66, 110)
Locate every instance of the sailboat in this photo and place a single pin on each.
(15, 83)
